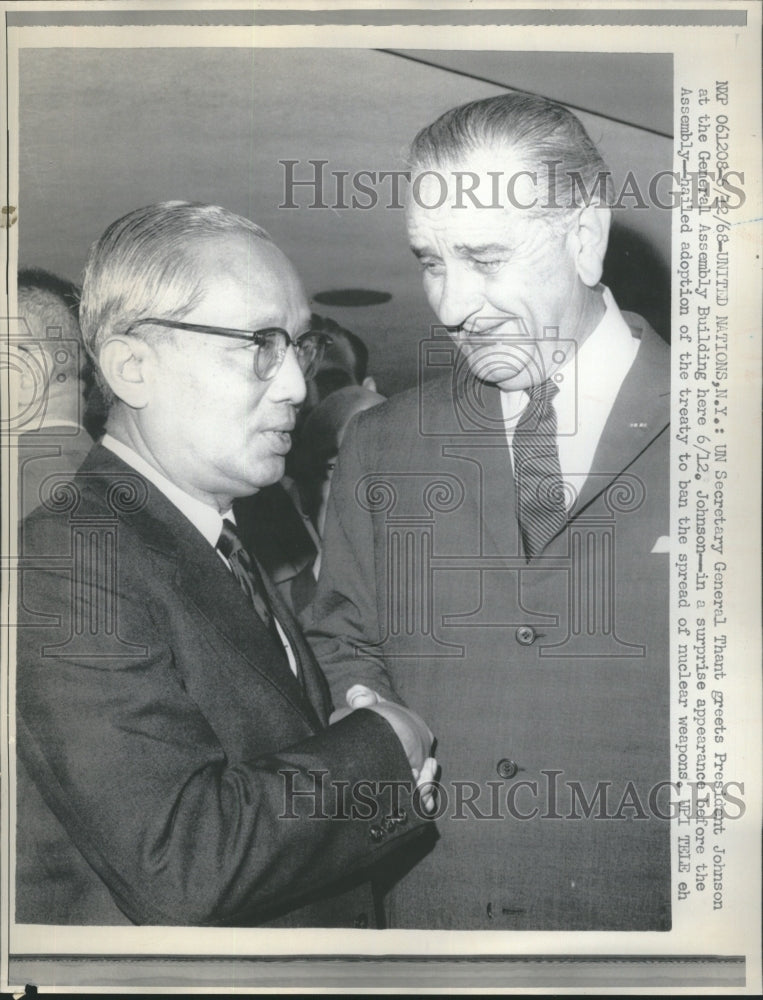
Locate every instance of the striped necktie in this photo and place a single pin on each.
(541, 509)
(246, 573)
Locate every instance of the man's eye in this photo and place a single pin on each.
(489, 266)
(431, 266)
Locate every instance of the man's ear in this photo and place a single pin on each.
(590, 235)
(123, 363)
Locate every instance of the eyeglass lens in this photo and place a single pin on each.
(272, 351)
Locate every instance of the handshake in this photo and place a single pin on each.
(414, 734)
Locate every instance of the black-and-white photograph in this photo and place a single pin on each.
(343, 437)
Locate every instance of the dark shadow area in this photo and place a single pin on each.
(639, 280)
(397, 865)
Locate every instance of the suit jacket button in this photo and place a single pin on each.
(361, 921)
(526, 635)
(376, 834)
(400, 817)
(506, 768)
(388, 824)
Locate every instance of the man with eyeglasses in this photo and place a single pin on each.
(175, 762)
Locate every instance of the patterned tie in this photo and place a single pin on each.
(541, 510)
(246, 573)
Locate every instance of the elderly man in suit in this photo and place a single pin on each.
(175, 763)
(496, 550)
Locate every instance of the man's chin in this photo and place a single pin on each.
(264, 472)
(515, 368)
(501, 375)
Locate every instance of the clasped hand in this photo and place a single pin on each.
(413, 733)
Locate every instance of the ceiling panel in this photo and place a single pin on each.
(635, 91)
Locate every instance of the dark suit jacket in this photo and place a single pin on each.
(155, 718)
(44, 453)
(545, 683)
(271, 527)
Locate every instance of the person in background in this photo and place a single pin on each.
(170, 718)
(344, 363)
(274, 523)
(52, 385)
(314, 459)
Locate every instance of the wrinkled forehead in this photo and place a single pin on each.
(491, 186)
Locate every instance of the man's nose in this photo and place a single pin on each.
(461, 296)
(289, 382)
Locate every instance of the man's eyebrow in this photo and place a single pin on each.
(465, 250)
(471, 250)
(421, 252)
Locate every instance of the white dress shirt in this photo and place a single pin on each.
(591, 379)
(208, 520)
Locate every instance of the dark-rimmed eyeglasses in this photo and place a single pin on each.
(272, 344)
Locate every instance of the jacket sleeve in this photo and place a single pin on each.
(350, 610)
(130, 766)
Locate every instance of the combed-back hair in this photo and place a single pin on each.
(539, 132)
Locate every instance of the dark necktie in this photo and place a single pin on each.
(541, 510)
(247, 574)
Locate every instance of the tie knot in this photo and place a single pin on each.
(543, 393)
(228, 543)
(539, 416)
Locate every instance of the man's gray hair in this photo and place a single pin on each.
(538, 131)
(146, 264)
(48, 306)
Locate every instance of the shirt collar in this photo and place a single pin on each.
(612, 338)
(206, 519)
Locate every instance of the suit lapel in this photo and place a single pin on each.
(494, 503)
(201, 577)
(206, 583)
(640, 414)
(499, 514)
(310, 676)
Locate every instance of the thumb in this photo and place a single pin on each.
(360, 696)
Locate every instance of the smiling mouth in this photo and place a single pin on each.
(510, 327)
